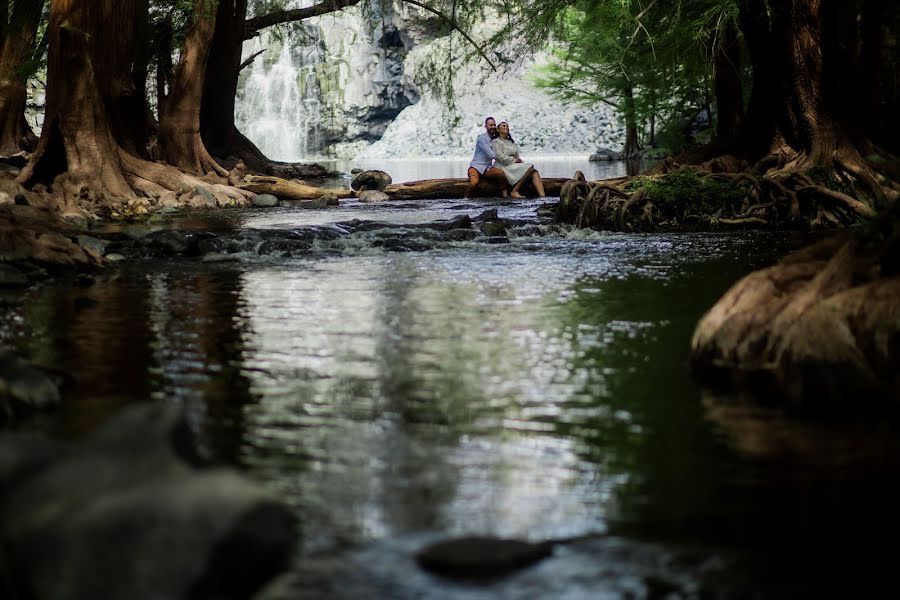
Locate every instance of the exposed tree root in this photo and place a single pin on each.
(784, 190)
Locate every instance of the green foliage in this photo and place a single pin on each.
(685, 189)
(652, 61)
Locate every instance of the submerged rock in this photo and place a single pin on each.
(26, 388)
(481, 557)
(128, 514)
(265, 200)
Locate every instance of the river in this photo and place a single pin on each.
(397, 387)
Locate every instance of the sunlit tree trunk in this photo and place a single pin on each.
(82, 64)
(17, 46)
(179, 128)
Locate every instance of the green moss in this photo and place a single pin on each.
(685, 189)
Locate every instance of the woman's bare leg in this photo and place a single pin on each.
(515, 191)
(538, 184)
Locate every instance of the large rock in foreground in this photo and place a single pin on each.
(820, 330)
(126, 515)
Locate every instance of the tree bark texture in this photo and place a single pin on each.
(17, 45)
(804, 103)
(81, 68)
(180, 143)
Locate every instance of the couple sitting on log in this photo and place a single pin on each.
(497, 158)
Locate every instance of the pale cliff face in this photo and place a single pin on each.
(355, 89)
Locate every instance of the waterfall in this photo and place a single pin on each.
(278, 106)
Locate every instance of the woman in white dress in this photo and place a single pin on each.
(509, 161)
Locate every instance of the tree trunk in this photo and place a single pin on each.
(728, 86)
(801, 108)
(130, 117)
(76, 136)
(18, 43)
(179, 129)
(220, 86)
(632, 148)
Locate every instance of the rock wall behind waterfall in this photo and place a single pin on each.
(351, 86)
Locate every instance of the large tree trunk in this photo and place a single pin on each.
(130, 117)
(220, 86)
(179, 128)
(76, 137)
(90, 60)
(801, 110)
(17, 45)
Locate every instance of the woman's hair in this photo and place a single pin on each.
(509, 135)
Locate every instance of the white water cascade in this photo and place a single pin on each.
(278, 105)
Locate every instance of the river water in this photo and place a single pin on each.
(399, 386)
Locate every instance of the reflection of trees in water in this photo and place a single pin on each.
(650, 424)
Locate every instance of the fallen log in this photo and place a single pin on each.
(426, 189)
(290, 190)
(433, 189)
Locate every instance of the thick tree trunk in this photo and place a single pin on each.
(130, 117)
(728, 85)
(179, 129)
(801, 110)
(76, 137)
(220, 86)
(17, 45)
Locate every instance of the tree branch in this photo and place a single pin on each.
(252, 26)
(250, 59)
(454, 25)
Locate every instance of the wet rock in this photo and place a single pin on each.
(605, 154)
(355, 171)
(173, 242)
(481, 557)
(371, 180)
(323, 202)
(210, 244)
(458, 222)
(461, 235)
(372, 196)
(115, 257)
(265, 200)
(497, 240)
(217, 257)
(401, 244)
(493, 228)
(203, 196)
(488, 215)
(92, 244)
(129, 514)
(26, 388)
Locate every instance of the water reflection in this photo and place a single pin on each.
(536, 389)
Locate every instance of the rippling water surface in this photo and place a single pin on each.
(536, 389)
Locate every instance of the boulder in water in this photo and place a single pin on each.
(371, 180)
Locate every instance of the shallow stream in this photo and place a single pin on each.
(400, 385)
